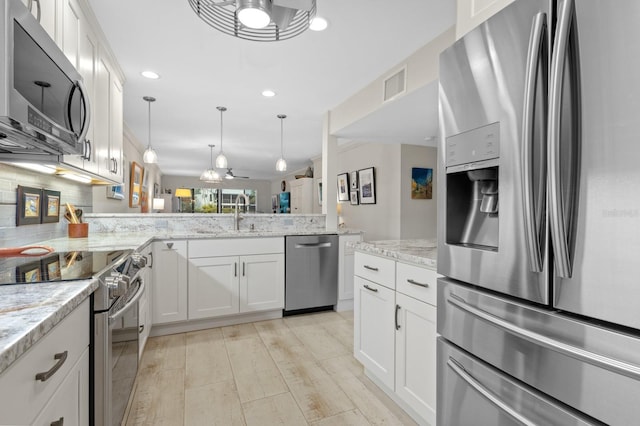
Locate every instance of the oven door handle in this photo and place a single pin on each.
(126, 307)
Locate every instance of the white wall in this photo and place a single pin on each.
(418, 217)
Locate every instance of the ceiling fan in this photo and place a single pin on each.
(281, 12)
(230, 175)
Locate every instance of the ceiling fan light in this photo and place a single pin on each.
(221, 161)
(318, 24)
(281, 165)
(254, 13)
(150, 156)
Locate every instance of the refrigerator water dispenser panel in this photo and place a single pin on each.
(473, 188)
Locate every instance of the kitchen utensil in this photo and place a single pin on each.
(69, 217)
(72, 212)
(25, 251)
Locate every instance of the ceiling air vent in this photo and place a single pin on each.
(395, 85)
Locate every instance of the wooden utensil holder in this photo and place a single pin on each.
(78, 230)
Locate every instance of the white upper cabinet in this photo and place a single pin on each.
(472, 13)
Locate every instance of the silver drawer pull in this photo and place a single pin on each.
(59, 422)
(61, 358)
(410, 281)
(371, 268)
(375, 290)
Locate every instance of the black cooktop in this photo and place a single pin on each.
(58, 266)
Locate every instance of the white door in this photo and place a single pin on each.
(261, 282)
(416, 355)
(213, 286)
(169, 282)
(374, 333)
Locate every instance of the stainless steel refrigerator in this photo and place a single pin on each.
(539, 223)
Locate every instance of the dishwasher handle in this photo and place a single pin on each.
(313, 245)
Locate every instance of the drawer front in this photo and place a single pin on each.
(377, 269)
(22, 397)
(417, 282)
(235, 247)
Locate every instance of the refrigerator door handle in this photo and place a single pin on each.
(536, 44)
(611, 364)
(482, 390)
(556, 213)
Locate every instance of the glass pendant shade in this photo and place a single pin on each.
(210, 175)
(150, 156)
(281, 164)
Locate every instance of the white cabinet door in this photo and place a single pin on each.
(117, 129)
(49, 12)
(101, 114)
(213, 286)
(416, 355)
(374, 333)
(170, 282)
(261, 282)
(69, 405)
(472, 13)
(301, 195)
(346, 266)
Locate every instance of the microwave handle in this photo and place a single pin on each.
(87, 110)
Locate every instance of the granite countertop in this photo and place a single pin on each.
(29, 311)
(419, 252)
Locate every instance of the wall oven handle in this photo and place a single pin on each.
(611, 364)
(87, 110)
(556, 213)
(482, 390)
(132, 301)
(60, 359)
(536, 43)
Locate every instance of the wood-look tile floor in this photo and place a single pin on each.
(297, 370)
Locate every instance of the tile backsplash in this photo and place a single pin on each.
(80, 195)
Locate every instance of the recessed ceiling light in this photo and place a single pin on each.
(318, 24)
(150, 74)
(268, 93)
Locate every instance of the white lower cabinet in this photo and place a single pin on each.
(395, 331)
(373, 332)
(261, 282)
(169, 292)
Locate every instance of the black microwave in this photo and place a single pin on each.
(44, 106)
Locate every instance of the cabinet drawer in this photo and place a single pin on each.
(417, 282)
(235, 247)
(376, 269)
(21, 395)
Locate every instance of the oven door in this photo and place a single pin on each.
(116, 357)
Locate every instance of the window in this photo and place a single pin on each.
(214, 200)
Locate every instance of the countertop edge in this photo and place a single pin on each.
(428, 260)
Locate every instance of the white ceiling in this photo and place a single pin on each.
(202, 68)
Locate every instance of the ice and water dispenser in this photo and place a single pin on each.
(472, 164)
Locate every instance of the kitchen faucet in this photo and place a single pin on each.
(237, 217)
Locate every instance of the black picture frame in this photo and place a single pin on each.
(343, 187)
(29, 272)
(28, 206)
(367, 181)
(354, 197)
(354, 180)
(51, 268)
(50, 206)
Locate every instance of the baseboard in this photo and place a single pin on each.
(203, 324)
(344, 305)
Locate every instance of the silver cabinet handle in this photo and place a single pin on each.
(169, 246)
(313, 245)
(556, 213)
(141, 329)
(371, 268)
(410, 281)
(150, 264)
(471, 381)
(59, 422)
(611, 364)
(375, 290)
(397, 310)
(60, 358)
(243, 269)
(235, 269)
(536, 43)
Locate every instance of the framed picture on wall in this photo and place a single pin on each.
(354, 197)
(50, 206)
(29, 206)
(135, 185)
(354, 180)
(421, 183)
(343, 187)
(367, 181)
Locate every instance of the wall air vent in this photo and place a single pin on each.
(395, 85)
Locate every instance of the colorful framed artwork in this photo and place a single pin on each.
(343, 187)
(50, 206)
(29, 206)
(367, 181)
(135, 185)
(29, 272)
(51, 268)
(421, 183)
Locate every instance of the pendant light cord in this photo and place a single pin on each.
(149, 133)
(281, 137)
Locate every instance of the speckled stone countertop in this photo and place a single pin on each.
(419, 252)
(29, 311)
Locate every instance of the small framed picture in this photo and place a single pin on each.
(319, 184)
(354, 180)
(354, 197)
(51, 268)
(29, 272)
(367, 181)
(29, 206)
(50, 206)
(343, 187)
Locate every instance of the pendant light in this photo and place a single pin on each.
(281, 164)
(221, 160)
(150, 156)
(210, 175)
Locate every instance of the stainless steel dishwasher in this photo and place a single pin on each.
(311, 273)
